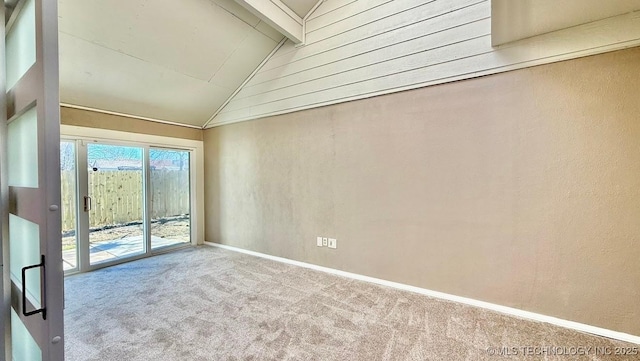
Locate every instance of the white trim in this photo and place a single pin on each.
(306, 17)
(5, 295)
(445, 296)
(278, 15)
(67, 105)
(255, 71)
(282, 6)
(197, 147)
(304, 23)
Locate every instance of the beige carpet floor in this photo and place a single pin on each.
(211, 304)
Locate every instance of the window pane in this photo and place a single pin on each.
(117, 201)
(22, 150)
(170, 197)
(23, 346)
(24, 250)
(68, 192)
(21, 44)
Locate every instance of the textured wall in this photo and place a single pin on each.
(521, 189)
(86, 118)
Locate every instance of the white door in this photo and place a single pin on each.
(30, 179)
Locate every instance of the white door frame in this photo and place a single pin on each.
(37, 89)
(5, 314)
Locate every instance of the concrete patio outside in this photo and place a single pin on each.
(115, 249)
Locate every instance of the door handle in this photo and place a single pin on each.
(42, 310)
(87, 203)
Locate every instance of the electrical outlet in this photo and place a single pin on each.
(319, 241)
(325, 241)
(333, 243)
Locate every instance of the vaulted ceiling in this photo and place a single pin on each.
(169, 61)
(181, 62)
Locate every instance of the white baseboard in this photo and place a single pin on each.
(445, 296)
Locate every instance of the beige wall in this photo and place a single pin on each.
(521, 189)
(86, 118)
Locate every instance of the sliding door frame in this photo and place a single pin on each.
(196, 162)
(82, 218)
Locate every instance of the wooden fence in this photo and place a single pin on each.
(117, 196)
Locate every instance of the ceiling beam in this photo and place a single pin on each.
(278, 15)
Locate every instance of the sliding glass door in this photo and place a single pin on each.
(115, 202)
(130, 201)
(169, 190)
(68, 205)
